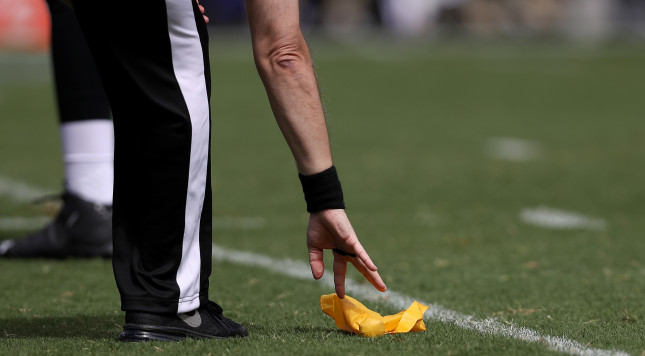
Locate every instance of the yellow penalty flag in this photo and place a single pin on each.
(352, 316)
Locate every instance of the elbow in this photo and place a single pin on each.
(284, 55)
(287, 56)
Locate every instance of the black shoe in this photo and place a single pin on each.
(207, 322)
(81, 229)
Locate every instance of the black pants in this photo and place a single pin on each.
(79, 92)
(152, 57)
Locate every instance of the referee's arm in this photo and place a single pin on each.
(283, 61)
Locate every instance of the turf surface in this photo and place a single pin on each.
(410, 127)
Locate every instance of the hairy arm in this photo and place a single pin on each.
(283, 61)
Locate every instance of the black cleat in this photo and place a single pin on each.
(207, 322)
(81, 229)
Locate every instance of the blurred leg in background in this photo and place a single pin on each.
(83, 227)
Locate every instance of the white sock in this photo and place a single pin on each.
(88, 156)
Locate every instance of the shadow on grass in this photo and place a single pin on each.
(79, 326)
(294, 330)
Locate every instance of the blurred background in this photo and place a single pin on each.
(24, 24)
(491, 154)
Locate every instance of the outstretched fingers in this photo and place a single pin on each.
(371, 275)
(362, 254)
(340, 271)
(361, 260)
(331, 229)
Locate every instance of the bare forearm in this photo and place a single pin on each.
(284, 64)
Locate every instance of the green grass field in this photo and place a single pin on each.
(417, 131)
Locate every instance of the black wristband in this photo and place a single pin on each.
(343, 253)
(322, 190)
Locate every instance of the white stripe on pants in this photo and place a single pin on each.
(189, 70)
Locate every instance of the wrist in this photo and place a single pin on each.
(322, 190)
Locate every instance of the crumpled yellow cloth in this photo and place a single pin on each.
(350, 315)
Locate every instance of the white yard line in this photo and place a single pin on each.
(399, 301)
(513, 149)
(20, 191)
(559, 219)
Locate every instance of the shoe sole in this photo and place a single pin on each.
(142, 333)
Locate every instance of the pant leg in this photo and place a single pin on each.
(152, 58)
(83, 110)
(79, 92)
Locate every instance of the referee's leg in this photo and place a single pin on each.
(153, 61)
(83, 226)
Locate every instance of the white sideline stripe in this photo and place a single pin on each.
(559, 219)
(20, 191)
(513, 149)
(22, 223)
(399, 301)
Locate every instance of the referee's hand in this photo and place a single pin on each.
(331, 229)
(202, 10)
